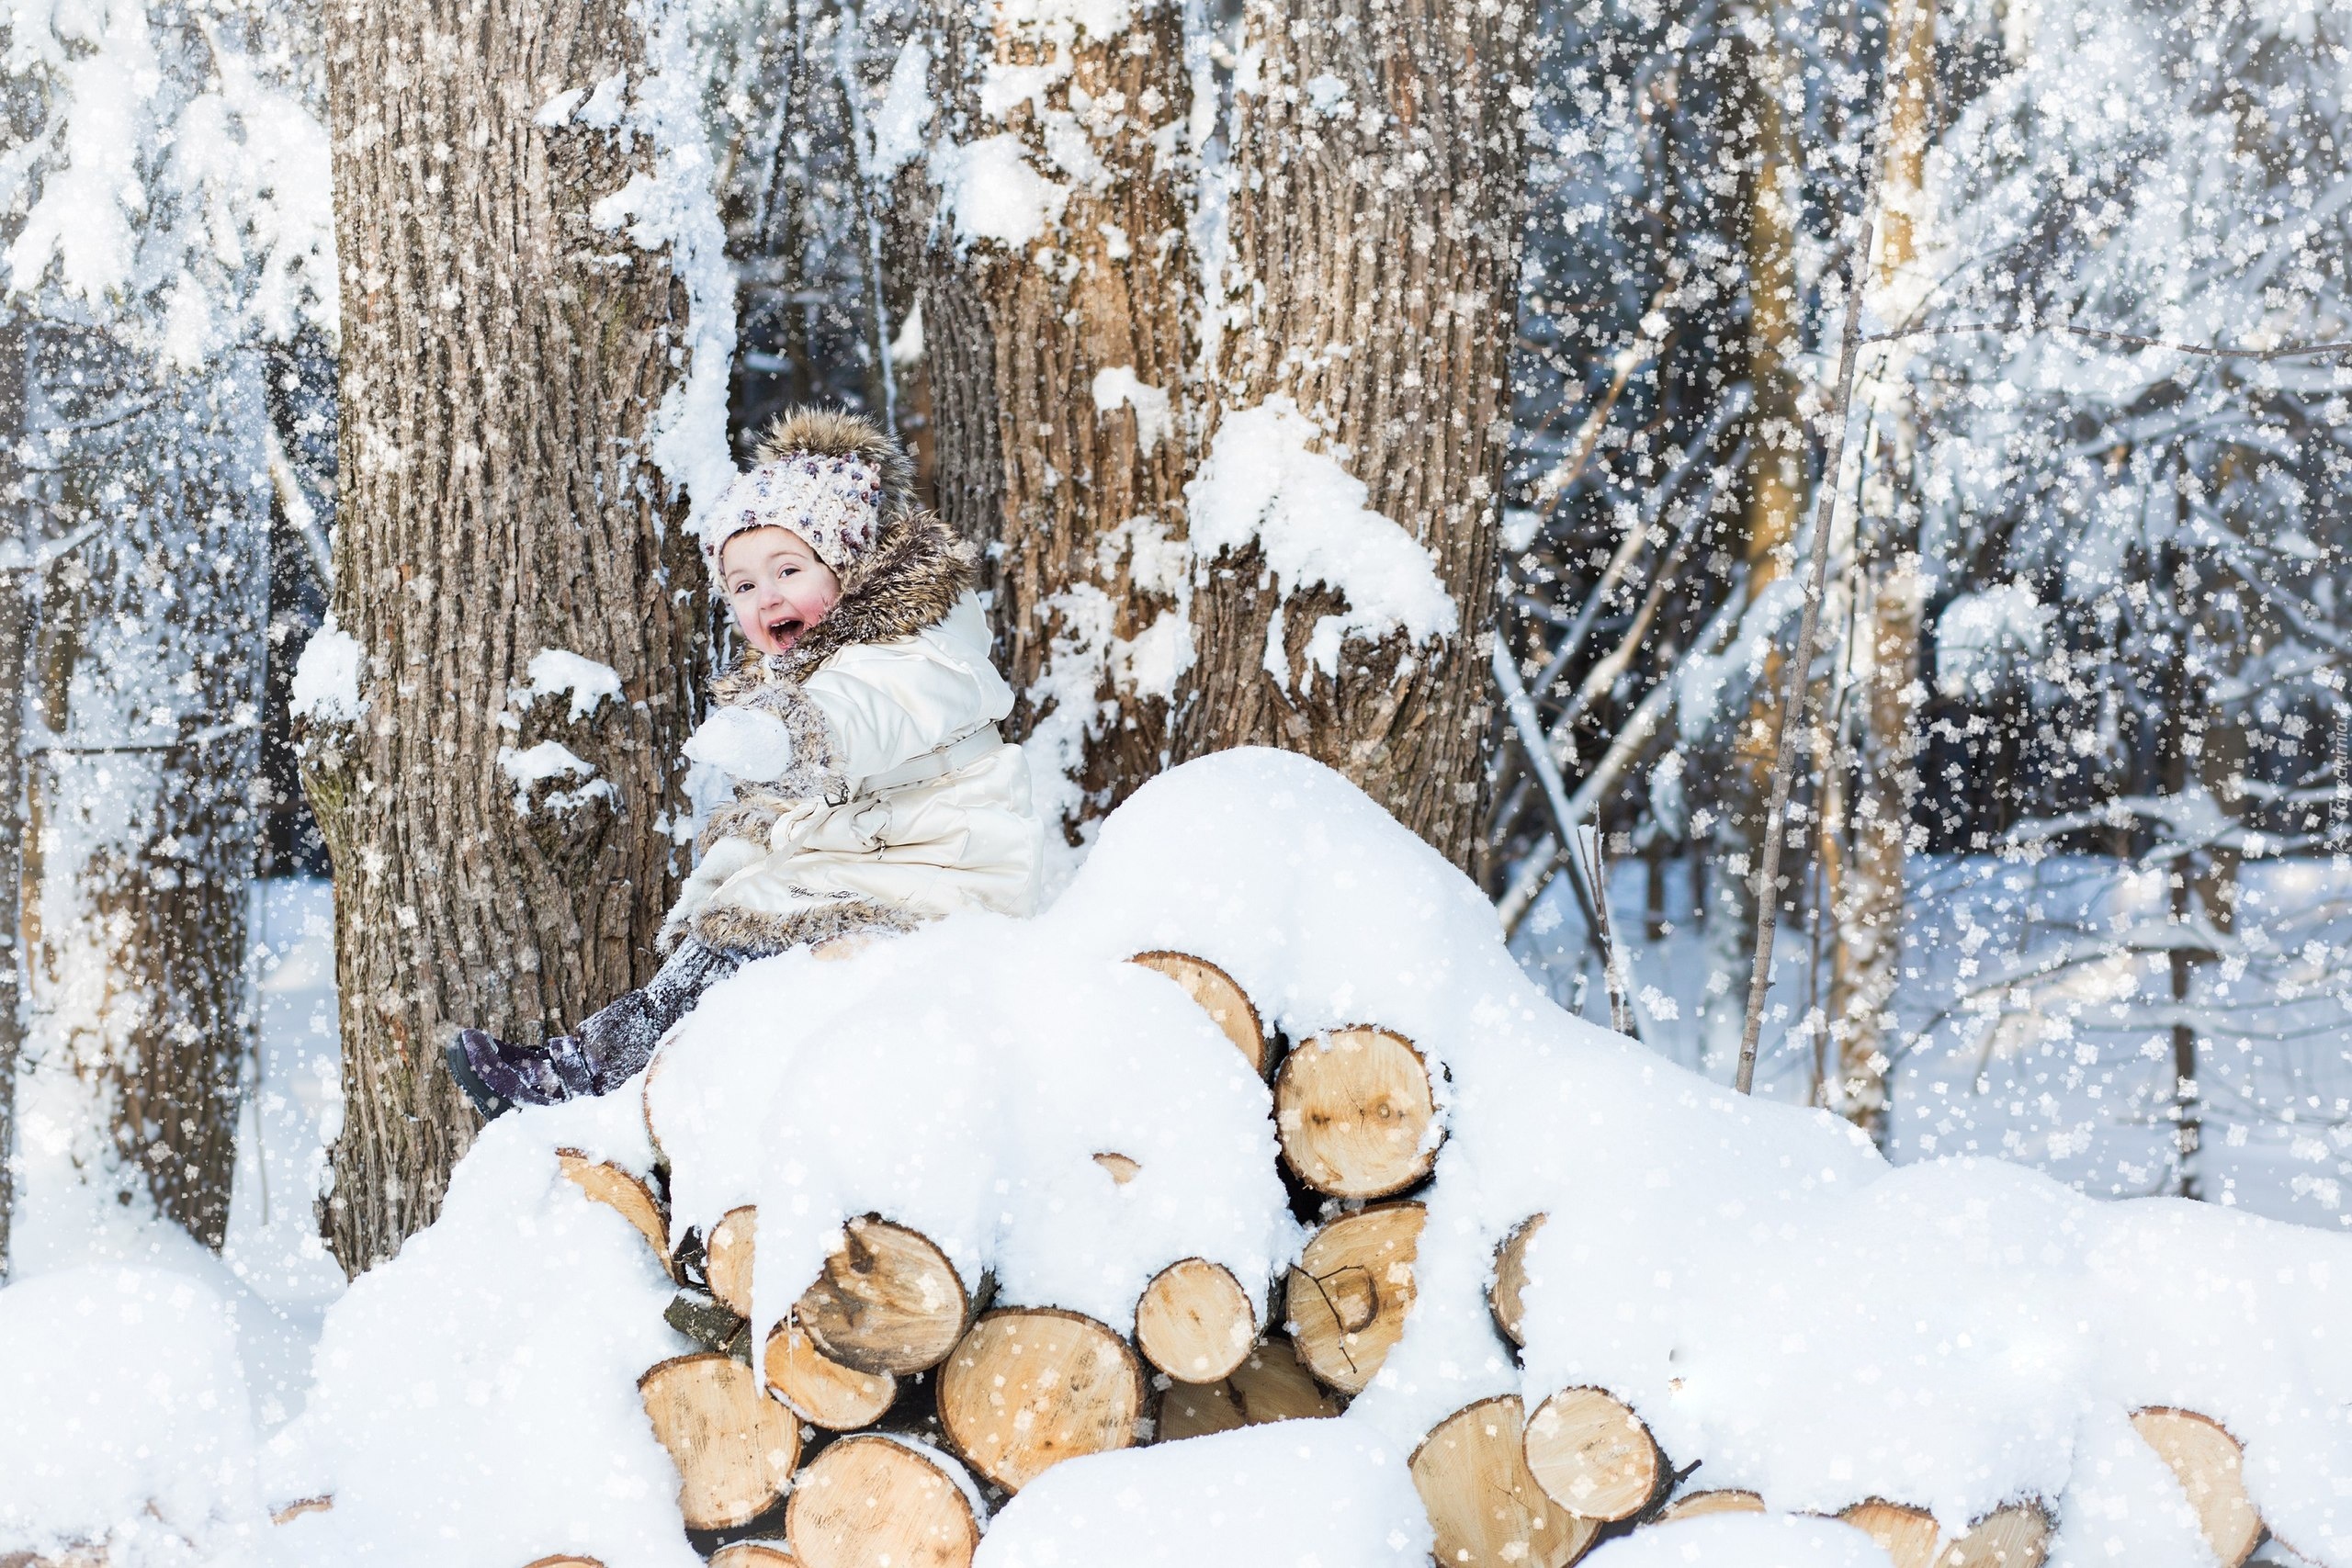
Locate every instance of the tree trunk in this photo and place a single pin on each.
(149, 661)
(502, 359)
(1866, 958)
(18, 581)
(1058, 365)
(1373, 206)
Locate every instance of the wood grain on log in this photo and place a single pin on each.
(1350, 1293)
(2015, 1537)
(887, 1300)
(1123, 1169)
(726, 1255)
(734, 1447)
(556, 1561)
(2209, 1466)
(1909, 1536)
(825, 1392)
(1226, 1004)
(286, 1513)
(755, 1554)
(1195, 1322)
(625, 1194)
(1703, 1505)
(1594, 1457)
(1352, 1108)
(1029, 1387)
(1272, 1384)
(1486, 1509)
(1197, 1409)
(1504, 1297)
(870, 1501)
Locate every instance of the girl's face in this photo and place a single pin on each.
(777, 586)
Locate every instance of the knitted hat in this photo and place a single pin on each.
(836, 479)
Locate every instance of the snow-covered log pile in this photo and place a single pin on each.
(939, 1226)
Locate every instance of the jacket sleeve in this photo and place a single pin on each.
(887, 703)
(719, 861)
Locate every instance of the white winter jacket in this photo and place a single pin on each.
(899, 802)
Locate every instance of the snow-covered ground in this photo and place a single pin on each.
(2035, 1022)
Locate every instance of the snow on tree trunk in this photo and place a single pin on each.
(1057, 282)
(149, 664)
(1363, 255)
(507, 350)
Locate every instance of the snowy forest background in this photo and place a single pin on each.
(2063, 875)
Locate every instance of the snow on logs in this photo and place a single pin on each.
(2209, 1465)
(1224, 1001)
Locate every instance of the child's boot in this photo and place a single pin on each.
(498, 1076)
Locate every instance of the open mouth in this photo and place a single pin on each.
(784, 630)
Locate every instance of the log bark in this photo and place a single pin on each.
(1505, 1297)
(872, 1500)
(1486, 1510)
(727, 1253)
(1194, 1321)
(2209, 1465)
(1594, 1457)
(1226, 1004)
(1704, 1505)
(1351, 1292)
(624, 1194)
(1353, 1110)
(735, 1448)
(501, 362)
(1029, 1387)
(825, 1392)
(887, 1300)
(1058, 378)
(1371, 279)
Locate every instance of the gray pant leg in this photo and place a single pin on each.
(619, 1039)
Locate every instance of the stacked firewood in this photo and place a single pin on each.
(891, 1406)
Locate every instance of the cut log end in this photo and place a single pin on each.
(1028, 1388)
(726, 1255)
(2015, 1537)
(1196, 1410)
(887, 1300)
(1227, 1006)
(1484, 1505)
(1594, 1457)
(1352, 1110)
(1195, 1322)
(1706, 1504)
(1123, 1169)
(823, 1391)
(618, 1190)
(1272, 1384)
(1351, 1292)
(755, 1554)
(1909, 1536)
(2209, 1465)
(871, 1500)
(734, 1447)
(1504, 1296)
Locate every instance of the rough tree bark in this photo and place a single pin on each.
(1373, 216)
(148, 662)
(17, 567)
(1774, 498)
(1866, 950)
(1057, 371)
(503, 358)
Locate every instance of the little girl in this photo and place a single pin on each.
(872, 789)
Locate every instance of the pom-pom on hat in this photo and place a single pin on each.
(833, 479)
